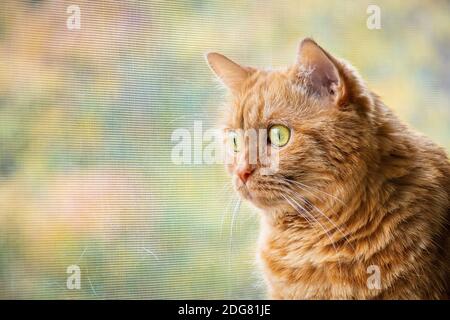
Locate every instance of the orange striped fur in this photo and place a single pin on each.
(355, 187)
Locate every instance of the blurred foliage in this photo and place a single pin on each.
(86, 118)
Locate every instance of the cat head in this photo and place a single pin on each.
(315, 117)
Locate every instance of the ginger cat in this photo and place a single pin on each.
(359, 206)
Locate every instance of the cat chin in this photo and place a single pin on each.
(254, 197)
(245, 194)
(263, 203)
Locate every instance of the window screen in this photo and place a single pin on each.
(90, 95)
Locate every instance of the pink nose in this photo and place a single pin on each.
(245, 173)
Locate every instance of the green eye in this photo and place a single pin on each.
(279, 135)
(234, 141)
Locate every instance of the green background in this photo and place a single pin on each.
(86, 118)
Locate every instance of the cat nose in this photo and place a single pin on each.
(245, 173)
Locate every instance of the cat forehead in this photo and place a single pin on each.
(271, 98)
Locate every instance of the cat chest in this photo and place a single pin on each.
(306, 275)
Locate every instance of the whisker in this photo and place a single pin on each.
(224, 213)
(306, 216)
(235, 211)
(317, 189)
(329, 220)
(323, 228)
(312, 217)
(303, 187)
(226, 187)
(233, 218)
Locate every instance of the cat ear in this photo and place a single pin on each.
(319, 71)
(231, 74)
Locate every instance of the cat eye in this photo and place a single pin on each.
(279, 135)
(234, 141)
